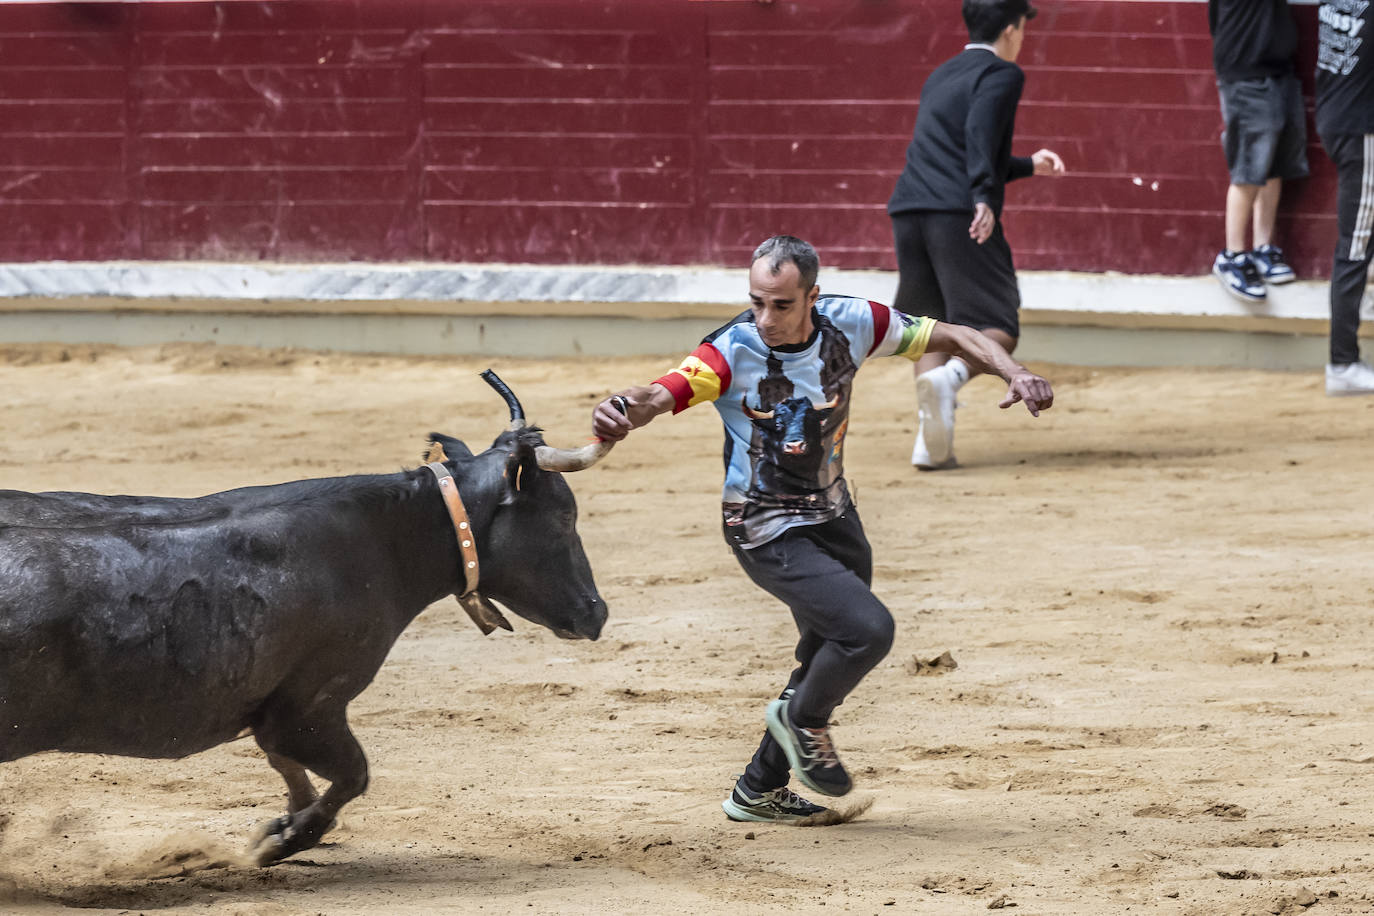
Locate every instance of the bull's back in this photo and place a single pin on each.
(149, 640)
(80, 510)
(159, 627)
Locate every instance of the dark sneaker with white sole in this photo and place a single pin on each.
(780, 806)
(1272, 267)
(1239, 276)
(809, 752)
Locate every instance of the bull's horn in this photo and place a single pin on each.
(517, 413)
(572, 459)
(830, 404)
(751, 413)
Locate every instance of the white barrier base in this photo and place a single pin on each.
(1089, 319)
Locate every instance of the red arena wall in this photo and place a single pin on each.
(592, 131)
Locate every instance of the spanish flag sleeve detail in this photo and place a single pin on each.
(899, 334)
(702, 376)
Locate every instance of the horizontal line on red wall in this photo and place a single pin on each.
(272, 168)
(60, 134)
(542, 169)
(270, 134)
(536, 31)
(573, 204)
(563, 134)
(554, 67)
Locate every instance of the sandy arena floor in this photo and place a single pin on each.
(1157, 595)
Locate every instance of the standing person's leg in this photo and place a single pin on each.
(1353, 155)
(918, 287)
(1289, 164)
(1253, 123)
(919, 293)
(822, 573)
(980, 289)
(1265, 212)
(1241, 203)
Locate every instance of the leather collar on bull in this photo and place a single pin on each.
(482, 611)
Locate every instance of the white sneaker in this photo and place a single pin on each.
(1352, 378)
(935, 405)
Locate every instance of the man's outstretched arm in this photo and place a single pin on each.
(641, 404)
(986, 355)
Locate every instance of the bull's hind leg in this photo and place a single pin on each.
(327, 748)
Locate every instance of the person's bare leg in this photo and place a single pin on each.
(1240, 208)
(1265, 212)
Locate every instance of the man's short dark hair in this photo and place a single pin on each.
(781, 249)
(987, 18)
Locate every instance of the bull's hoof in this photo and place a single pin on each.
(284, 836)
(270, 842)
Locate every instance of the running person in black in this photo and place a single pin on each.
(1345, 123)
(954, 262)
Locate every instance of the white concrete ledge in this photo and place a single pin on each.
(602, 311)
(1104, 293)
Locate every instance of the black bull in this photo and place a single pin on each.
(153, 627)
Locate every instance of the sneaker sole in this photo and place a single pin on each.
(1280, 281)
(948, 464)
(742, 815)
(937, 435)
(783, 735)
(1240, 294)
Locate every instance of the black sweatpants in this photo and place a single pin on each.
(1353, 155)
(822, 573)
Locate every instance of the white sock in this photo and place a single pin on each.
(957, 371)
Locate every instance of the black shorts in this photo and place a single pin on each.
(1266, 129)
(948, 276)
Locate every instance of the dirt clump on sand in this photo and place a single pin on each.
(1158, 595)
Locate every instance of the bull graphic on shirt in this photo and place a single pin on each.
(797, 442)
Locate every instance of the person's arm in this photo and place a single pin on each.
(702, 376)
(641, 404)
(1019, 167)
(986, 355)
(991, 113)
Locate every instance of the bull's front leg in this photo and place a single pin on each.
(330, 751)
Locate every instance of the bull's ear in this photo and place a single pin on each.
(444, 448)
(522, 465)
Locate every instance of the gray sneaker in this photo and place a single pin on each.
(780, 806)
(809, 752)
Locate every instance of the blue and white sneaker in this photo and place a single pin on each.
(1239, 276)
(780, 806)
(1271, 265)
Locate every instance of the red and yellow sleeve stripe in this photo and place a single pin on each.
(702, 376)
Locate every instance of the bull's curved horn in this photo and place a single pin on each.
(830, 404)
(751, 413)
(572, 459)
(517, 413)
